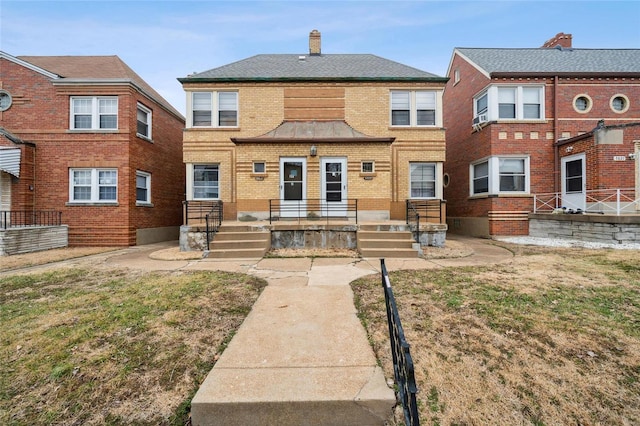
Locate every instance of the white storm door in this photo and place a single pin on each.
(334, 186)
(574, 182)
(293, 186)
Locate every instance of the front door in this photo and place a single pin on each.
(334, 186)
(574, 181)
(293, 187)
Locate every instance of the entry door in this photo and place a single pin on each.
(334, 186)
(574, 181)
(293, 187)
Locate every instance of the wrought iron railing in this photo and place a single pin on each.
(29, 218)
(601, 201)
(213, 221)
(313, 209)
(195, 211)
(403, 371)
(425, 210)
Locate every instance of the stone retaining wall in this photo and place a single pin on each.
(586, 227)
(30, 239)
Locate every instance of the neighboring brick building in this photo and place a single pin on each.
(330, 127)
(522, 122)
(96, 143)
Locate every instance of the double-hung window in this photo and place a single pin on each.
(214, 109)
(497, 175)
(143, 128)
(143, 187)
(206, 181)
(93, 185)
(509, 103)
(94, 113)
(422, 180)
(413, 108)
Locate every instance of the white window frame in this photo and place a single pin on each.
(143, 109)
(373, 166)
(94, 184)
(147, 187)
(95, 113)
(414, 106)
(436, 180)
(214, 105)
(521, 95)
(494, 174)
(255, 167)
(191, 181)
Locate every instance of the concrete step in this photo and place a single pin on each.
(225, 235)
(378, 253)
(246, 253)
(384, 243)
(383, 235)
(238, 244)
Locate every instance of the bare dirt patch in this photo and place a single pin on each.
(49, 256)
(551, 338)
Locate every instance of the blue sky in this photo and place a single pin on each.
(165, 40)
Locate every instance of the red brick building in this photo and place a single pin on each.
(524, 125)
(86, 136)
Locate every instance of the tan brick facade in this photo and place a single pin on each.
(365, 106)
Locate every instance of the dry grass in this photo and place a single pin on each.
(551, 339)
(97, 346)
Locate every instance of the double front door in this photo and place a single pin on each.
(293, 186)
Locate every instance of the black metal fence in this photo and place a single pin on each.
(402, 361)
(319, 209)
(29, 218)
(213, 220)
(423, 211)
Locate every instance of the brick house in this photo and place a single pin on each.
(533, 128)
(87, 137)
(312, 133)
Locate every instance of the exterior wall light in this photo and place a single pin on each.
(314, 150)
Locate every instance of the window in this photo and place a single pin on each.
(214, 109)
(259, 167)
(367, 167)
(93, 185)
(509, 103)
(500, 175)
(143, 122)
(94, 113)
(506, 102)
(206, 182)
(422, 180)
(480, 178)
(582, 103)
(619, 103)
(143, 187)
(413, 108)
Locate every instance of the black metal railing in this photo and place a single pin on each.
(313, 209)
(29, 218)
(425, 210)
(195, 212)
(213, 220)
(403, 372)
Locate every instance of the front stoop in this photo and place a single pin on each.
(240, 241)
(376, 241)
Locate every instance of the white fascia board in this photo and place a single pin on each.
(28, 65)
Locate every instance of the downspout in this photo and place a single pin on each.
(556, 157)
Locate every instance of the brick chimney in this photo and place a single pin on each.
(561, 39)
(314, 43)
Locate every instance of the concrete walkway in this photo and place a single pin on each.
(301, 357)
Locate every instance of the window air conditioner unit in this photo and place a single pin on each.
(482, 118)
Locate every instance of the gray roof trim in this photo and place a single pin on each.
(306, 79)
(313, 131)
(13, 138)
(28, 65)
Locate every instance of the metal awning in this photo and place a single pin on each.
(10, 161)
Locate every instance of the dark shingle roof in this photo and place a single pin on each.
(554, 60)
(313, 67)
